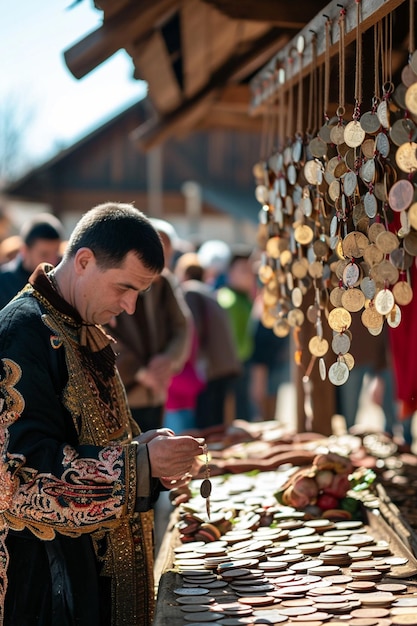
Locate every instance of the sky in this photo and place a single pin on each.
(55, 108)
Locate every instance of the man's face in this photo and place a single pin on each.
(99, 294)
(41, 251)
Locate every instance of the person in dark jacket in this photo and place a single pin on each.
(78, 479)
(41, 238)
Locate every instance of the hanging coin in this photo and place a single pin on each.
(303, 234)
(408, 77)
(273, 247)
(341, 343)
(348, 360)
(262, 194)
(322, 369)
(405, 224)
(351, 274)
(281, 328)
(329, 170)
(354, 245)
(320, 248)
(382, 112)
(353, 300)
(402, 293)
(384, 301)
(349, 183)
(410, 243)
(372, 255)
(297, 297)
(406, 158)
(401, 259)
(413, 62)
(339, 319)
(367, 171)
(315, 269)
(318, 147)
(338, 373)
(285, 258)
(318, 346)
(324, 132)
(337, 134)
(412, 215)
(265, 274)
(394, 317)
(385, 272)
(295, 318)
(268, 318)
(368, 287)
(403, 130)
(398, 96)
(299, 269)
(411, 98)
(368, 148)
(374, 231)
(370, 122)
(354, 134)
(401, 195)
(336, 296)
(370, 204)
(387, 242)
(375, 331)
(313, 172)
(291, 174)
(334, 190)
(371, 318)
(382, 145)
(340, 169)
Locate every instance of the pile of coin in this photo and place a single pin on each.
(305, 572)
(338, 225)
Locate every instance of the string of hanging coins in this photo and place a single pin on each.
(338, 218)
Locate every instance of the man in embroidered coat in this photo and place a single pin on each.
(77, 479)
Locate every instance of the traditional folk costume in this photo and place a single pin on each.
(74, 548)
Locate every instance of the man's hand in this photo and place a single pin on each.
(172, 458)
(148, 435)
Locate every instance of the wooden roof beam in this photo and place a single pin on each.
(133, 22)
(289, 15)
(154, 132)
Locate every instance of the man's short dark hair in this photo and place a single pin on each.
(41, 226)
(113, 229)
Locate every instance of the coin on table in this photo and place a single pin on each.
(353, 300)
(401, 195)
(339, 319)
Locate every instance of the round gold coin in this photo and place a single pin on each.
(372, 255)
(303, 234)
(410, 243)
(353, 300)
(273, 247)
(387, 242)
(339, 319)
(348, 359)
(299, 268)
(354, 134)
(295, 317)
(371, 318)
(265, 273)
(354, 245)
(318, 346)
(336, 296)
(406, 158)
(403, 293)
(281, 328)
(411, 98)
(315, 269)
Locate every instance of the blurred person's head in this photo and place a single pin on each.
(240, 273)
(214, 256)
(41, 238)
(168, 237)
(188, 267)
(10, 248)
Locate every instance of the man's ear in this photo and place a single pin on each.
(83, 258)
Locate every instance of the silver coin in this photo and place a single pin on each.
(349, 183)
(368, 287)
(341, 343)
(338, 373)
(370, 204)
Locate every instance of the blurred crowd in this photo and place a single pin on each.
(195, 353)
